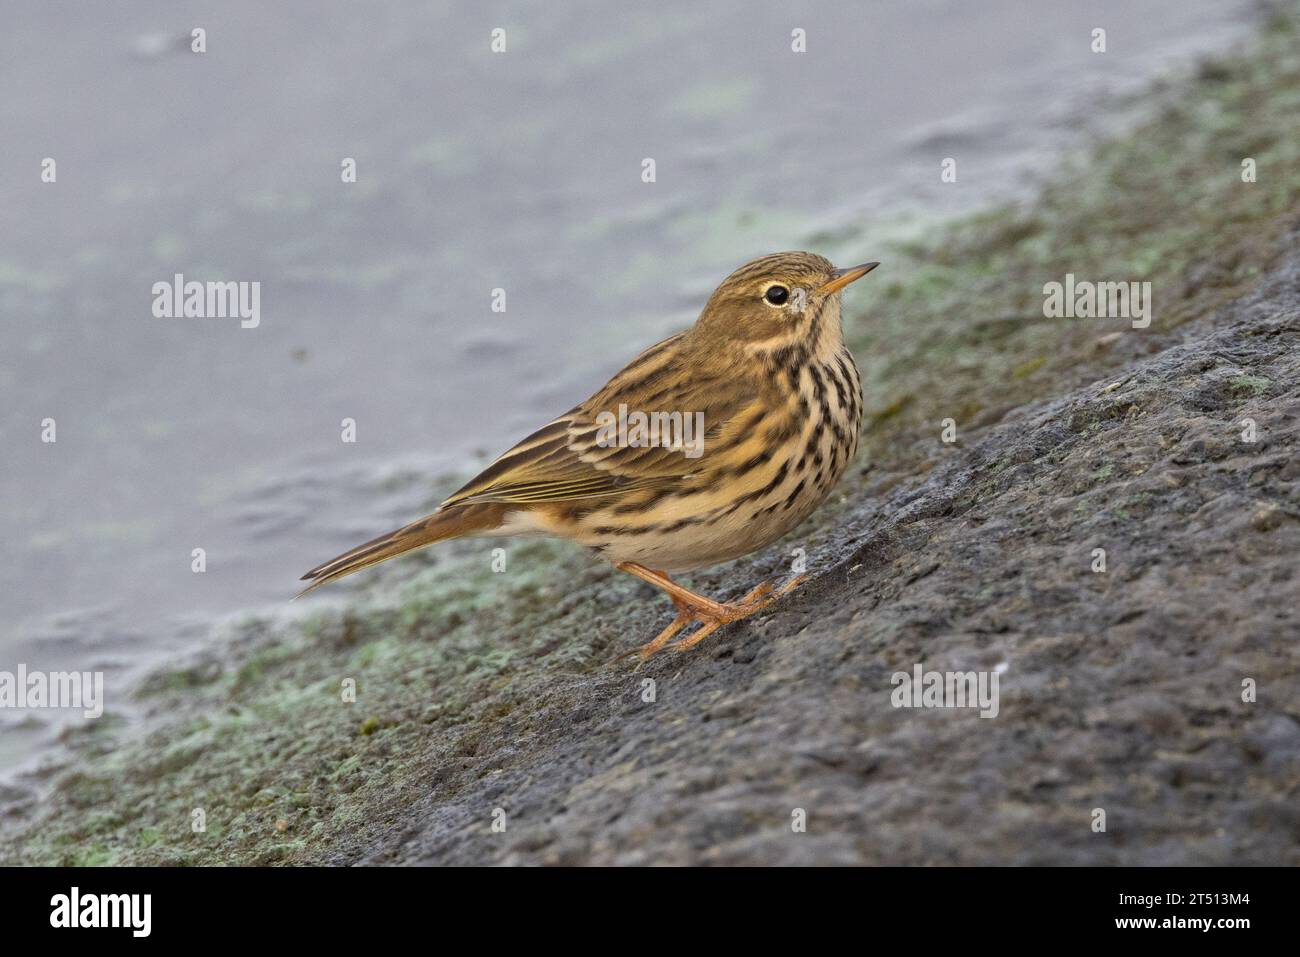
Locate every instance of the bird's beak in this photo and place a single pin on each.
(845, 276)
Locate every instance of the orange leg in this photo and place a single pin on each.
(694, 608)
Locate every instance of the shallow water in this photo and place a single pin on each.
(476, 170)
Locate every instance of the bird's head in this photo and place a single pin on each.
(777, 300)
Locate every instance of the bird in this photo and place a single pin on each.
(706, 447)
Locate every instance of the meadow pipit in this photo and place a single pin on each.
(762, 406)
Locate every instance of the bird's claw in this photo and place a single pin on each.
(710, 618)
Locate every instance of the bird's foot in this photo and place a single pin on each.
(710, 616)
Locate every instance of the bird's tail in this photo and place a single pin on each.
(445, 523)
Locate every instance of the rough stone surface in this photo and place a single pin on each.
(1120, 690)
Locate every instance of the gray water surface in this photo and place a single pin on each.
(476, 170)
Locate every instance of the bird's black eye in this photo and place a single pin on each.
(777, 295)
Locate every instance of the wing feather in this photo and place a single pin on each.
(562, 461)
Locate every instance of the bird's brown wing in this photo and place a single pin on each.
(571, 458)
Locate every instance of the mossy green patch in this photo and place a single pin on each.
(1249, 385)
